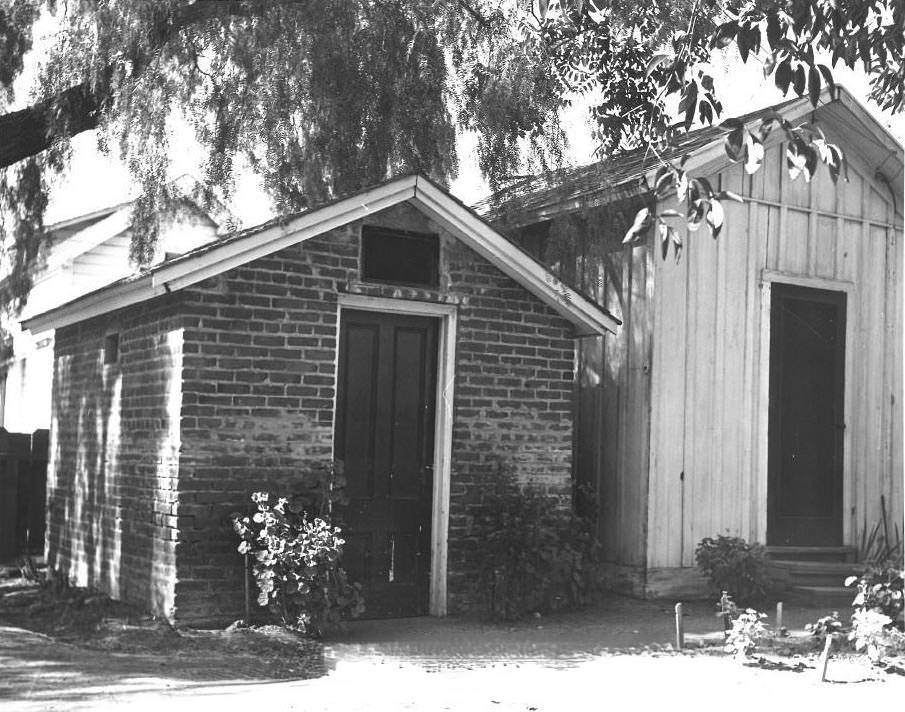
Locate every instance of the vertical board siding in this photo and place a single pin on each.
(625, 422)
(665, 513)
(710, 358)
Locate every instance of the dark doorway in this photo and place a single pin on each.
(385, 438)
(807, 376)
(23, 482)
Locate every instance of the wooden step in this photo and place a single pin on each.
(811, 573)
(812, 553)
(839, 597)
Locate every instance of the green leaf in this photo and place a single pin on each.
(676, 241)
(695, 214)
(655, 62)
(689, 102)
(541, 7)
(729, 195)
(827, 74)
(812, 160)
(814, 85)
(774, 31)
(663, 229)
(795, 161)
(754, 154)
(748, 41)
(639, 225)
(783, 76)
(663, 180)
(682, 186)
(705, 185)
(715, 217)
(724, 34)
(800, 79)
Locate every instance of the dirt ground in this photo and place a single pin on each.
(617, 653)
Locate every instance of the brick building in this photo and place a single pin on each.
(393, 330)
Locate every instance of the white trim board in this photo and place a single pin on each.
(216, 258)
(443, 422)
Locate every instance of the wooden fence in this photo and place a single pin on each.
(23, 481)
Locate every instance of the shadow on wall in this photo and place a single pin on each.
(112, 480)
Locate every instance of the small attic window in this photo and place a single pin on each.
(399, 257)
(111, 348)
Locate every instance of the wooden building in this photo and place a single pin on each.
(756, 386)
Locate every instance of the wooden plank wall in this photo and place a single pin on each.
(623, 430)
(613, 380)
(710, 353)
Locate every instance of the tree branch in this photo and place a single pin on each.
(79, 108)
(477, 16)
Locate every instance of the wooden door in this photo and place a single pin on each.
(385, 438)
(807, 364)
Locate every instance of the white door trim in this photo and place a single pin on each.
(768, 279)
(443, 421)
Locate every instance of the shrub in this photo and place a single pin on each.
(875, 633)
(878, 623)
(297, 565)
(733, 565)
(880, 589)
(536, 554)
(747, 631)
(822, 627)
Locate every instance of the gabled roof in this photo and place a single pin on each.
(74, 237)
(626, 175)
(96, 228)
(243, 247)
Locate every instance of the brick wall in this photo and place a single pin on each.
(513, 403)
(112, 476)
(256, 347)
(260, 362)
(258, 403)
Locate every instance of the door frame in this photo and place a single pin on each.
(443, 420)
(768, 278)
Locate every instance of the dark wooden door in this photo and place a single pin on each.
(385, 439)
(807, 364)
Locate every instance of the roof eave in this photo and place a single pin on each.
(468, 227)
(95, 304)
(217, 258)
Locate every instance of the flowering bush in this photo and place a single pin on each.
(874, 633)
(878, 623)
(747, 631)
(297, 565)
(822, 627)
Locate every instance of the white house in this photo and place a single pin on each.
(84, 253)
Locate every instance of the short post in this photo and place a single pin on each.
(247, 591)
(779, 616)
(724, 610)
(825, 657)
(680, 627)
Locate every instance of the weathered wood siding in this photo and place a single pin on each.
(623, 428)
(710, 353)
(612, 424)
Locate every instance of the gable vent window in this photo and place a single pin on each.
(398, 257)
(111, 348)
